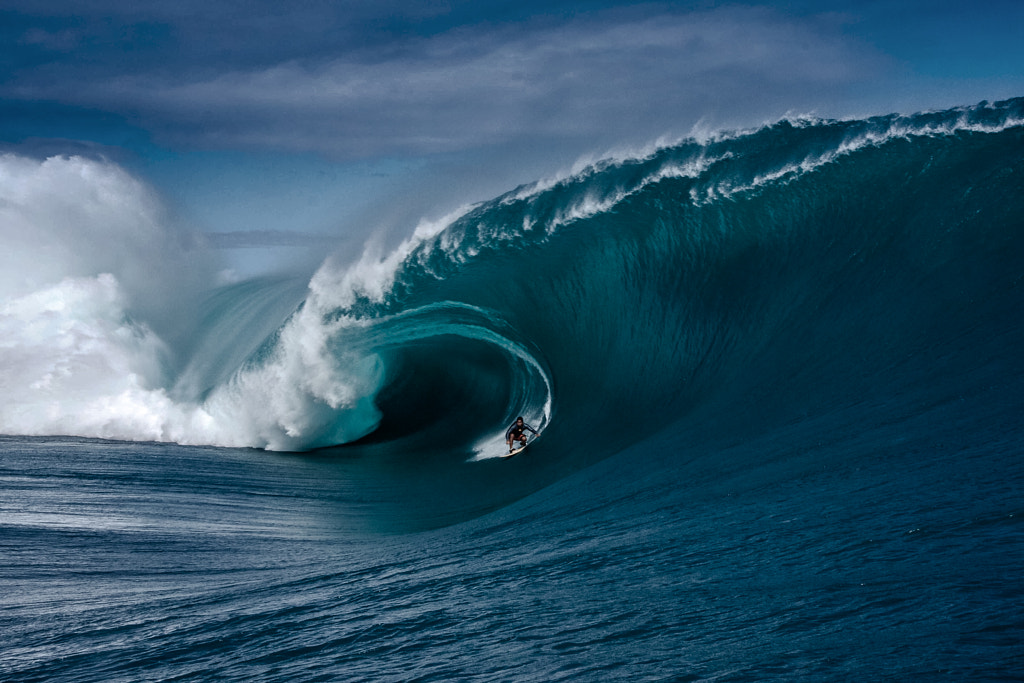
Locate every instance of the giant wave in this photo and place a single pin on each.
(779, 271)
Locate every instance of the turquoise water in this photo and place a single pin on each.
(780, 383)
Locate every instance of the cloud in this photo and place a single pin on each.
(604, 78)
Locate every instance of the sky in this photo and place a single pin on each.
(284, 130)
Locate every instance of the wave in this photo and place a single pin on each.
(804, 263)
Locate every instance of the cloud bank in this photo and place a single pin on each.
(601, 79)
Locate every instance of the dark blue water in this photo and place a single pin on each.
(780, 381)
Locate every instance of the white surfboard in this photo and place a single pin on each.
(517, 450)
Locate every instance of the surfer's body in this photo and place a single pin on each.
(517, 432)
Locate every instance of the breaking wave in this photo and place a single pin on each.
(793, 264)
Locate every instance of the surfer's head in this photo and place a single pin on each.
(519, 420)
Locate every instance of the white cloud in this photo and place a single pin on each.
(598, 78)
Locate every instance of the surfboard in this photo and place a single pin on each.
(516, 451)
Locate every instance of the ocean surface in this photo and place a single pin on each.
(779, 379)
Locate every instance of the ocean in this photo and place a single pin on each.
(779, 380)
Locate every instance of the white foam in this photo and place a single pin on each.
(73, 363)
(91, 265)
(338, 285)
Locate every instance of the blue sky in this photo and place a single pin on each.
(288, 122)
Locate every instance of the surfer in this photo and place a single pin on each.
(517, 432)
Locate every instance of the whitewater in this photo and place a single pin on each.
(777, 374)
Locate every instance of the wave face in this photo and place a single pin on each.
(775, 274)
